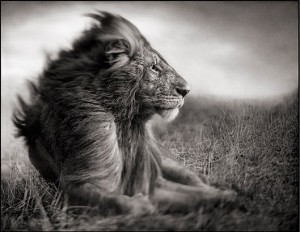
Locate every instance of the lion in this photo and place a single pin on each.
(87, 126)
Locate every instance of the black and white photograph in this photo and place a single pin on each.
(149, 116)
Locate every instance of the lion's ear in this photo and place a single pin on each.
(117, 53)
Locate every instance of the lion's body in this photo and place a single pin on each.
(87, 122)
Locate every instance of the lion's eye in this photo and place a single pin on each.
(155, 68)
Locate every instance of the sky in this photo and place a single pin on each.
(226, 49)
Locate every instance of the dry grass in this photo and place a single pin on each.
(248, 146)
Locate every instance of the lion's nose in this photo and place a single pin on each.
(183, 90)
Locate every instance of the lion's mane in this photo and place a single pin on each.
(84, 113)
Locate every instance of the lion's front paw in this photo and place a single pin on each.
(203, 178)
(140, 205)
(220, 197)
(228, 195)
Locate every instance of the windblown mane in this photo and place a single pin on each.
(84, 108)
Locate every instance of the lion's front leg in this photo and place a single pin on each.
(175, 197)
(89, 195)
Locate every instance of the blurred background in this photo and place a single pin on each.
(234, 50)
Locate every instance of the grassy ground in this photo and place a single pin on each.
(251, 147)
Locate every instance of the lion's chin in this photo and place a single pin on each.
(168, 115)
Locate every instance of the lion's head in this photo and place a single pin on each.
(125, 70)
(162, 90)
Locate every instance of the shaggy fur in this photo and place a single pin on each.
(86, 126)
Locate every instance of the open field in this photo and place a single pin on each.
(251, 147)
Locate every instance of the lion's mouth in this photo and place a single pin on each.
(168, 107)
(169, 102)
